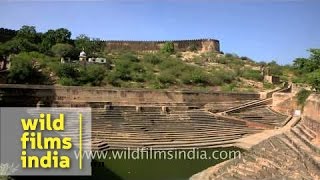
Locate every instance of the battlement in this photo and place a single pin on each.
(203, 45)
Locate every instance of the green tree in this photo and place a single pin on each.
(168, 47)
(23, 71)
(274, 68)
(93, 47)
(62, 50)
(313, 79)
(62, 35)
(308, 69)
(68, 71)
(17, 45)
(92, 75)
(52, 37)
(28, 33)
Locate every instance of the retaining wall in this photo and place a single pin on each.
(311, 113)
(29, 95)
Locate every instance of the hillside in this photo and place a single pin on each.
(188, 70)
(35, 59)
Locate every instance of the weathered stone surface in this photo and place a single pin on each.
(29, 95)
(203, 45)
(284, 156)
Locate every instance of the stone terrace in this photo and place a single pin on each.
(126, 126)
(290, 155)
(261, 114)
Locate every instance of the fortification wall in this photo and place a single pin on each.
(311, 113)
(29, 95)
(204, 45)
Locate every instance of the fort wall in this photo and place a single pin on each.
(203, 45)
(311, 113)
(30, 95)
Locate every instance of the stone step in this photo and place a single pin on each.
(304, 132)
(310, 131)
(300, 143)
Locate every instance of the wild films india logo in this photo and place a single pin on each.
(46, 141)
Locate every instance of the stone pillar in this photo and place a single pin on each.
(164, 109)
(107, 106)
(40, 104)
(138, 108)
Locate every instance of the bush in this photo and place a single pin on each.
(152, 58)
(168, 47)
(68, 71)
(129, 57)
(24, 71)
(218, 77)
(167, 78)
(192, 47)
(195, 77)
(93, 75)
(68, 81)
(252, 74)
(229, 87)
(268, 86)
(302, 96)
(127, 70)
(71, 74)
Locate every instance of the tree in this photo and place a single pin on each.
(274, 68)
(62, 50)
(62, 35)
(168, 47)
(313, 79)
(28, 33)
(309, 68)
(52, 37)
(25, 41)
(93, 47)
(23, 71)
(17, 45)
(92, 75)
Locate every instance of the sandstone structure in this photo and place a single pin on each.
(279, 146)
(311, 113)
(291, 151)
(73, 96)
(203, 45)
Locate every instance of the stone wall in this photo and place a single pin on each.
(284, 103)
(311, 113)
(203, 45)
(29, 95)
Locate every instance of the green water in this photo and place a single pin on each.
(147, 169)
(156, 169)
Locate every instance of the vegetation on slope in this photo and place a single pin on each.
(36, 60)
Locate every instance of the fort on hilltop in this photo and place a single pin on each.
(203, 45)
